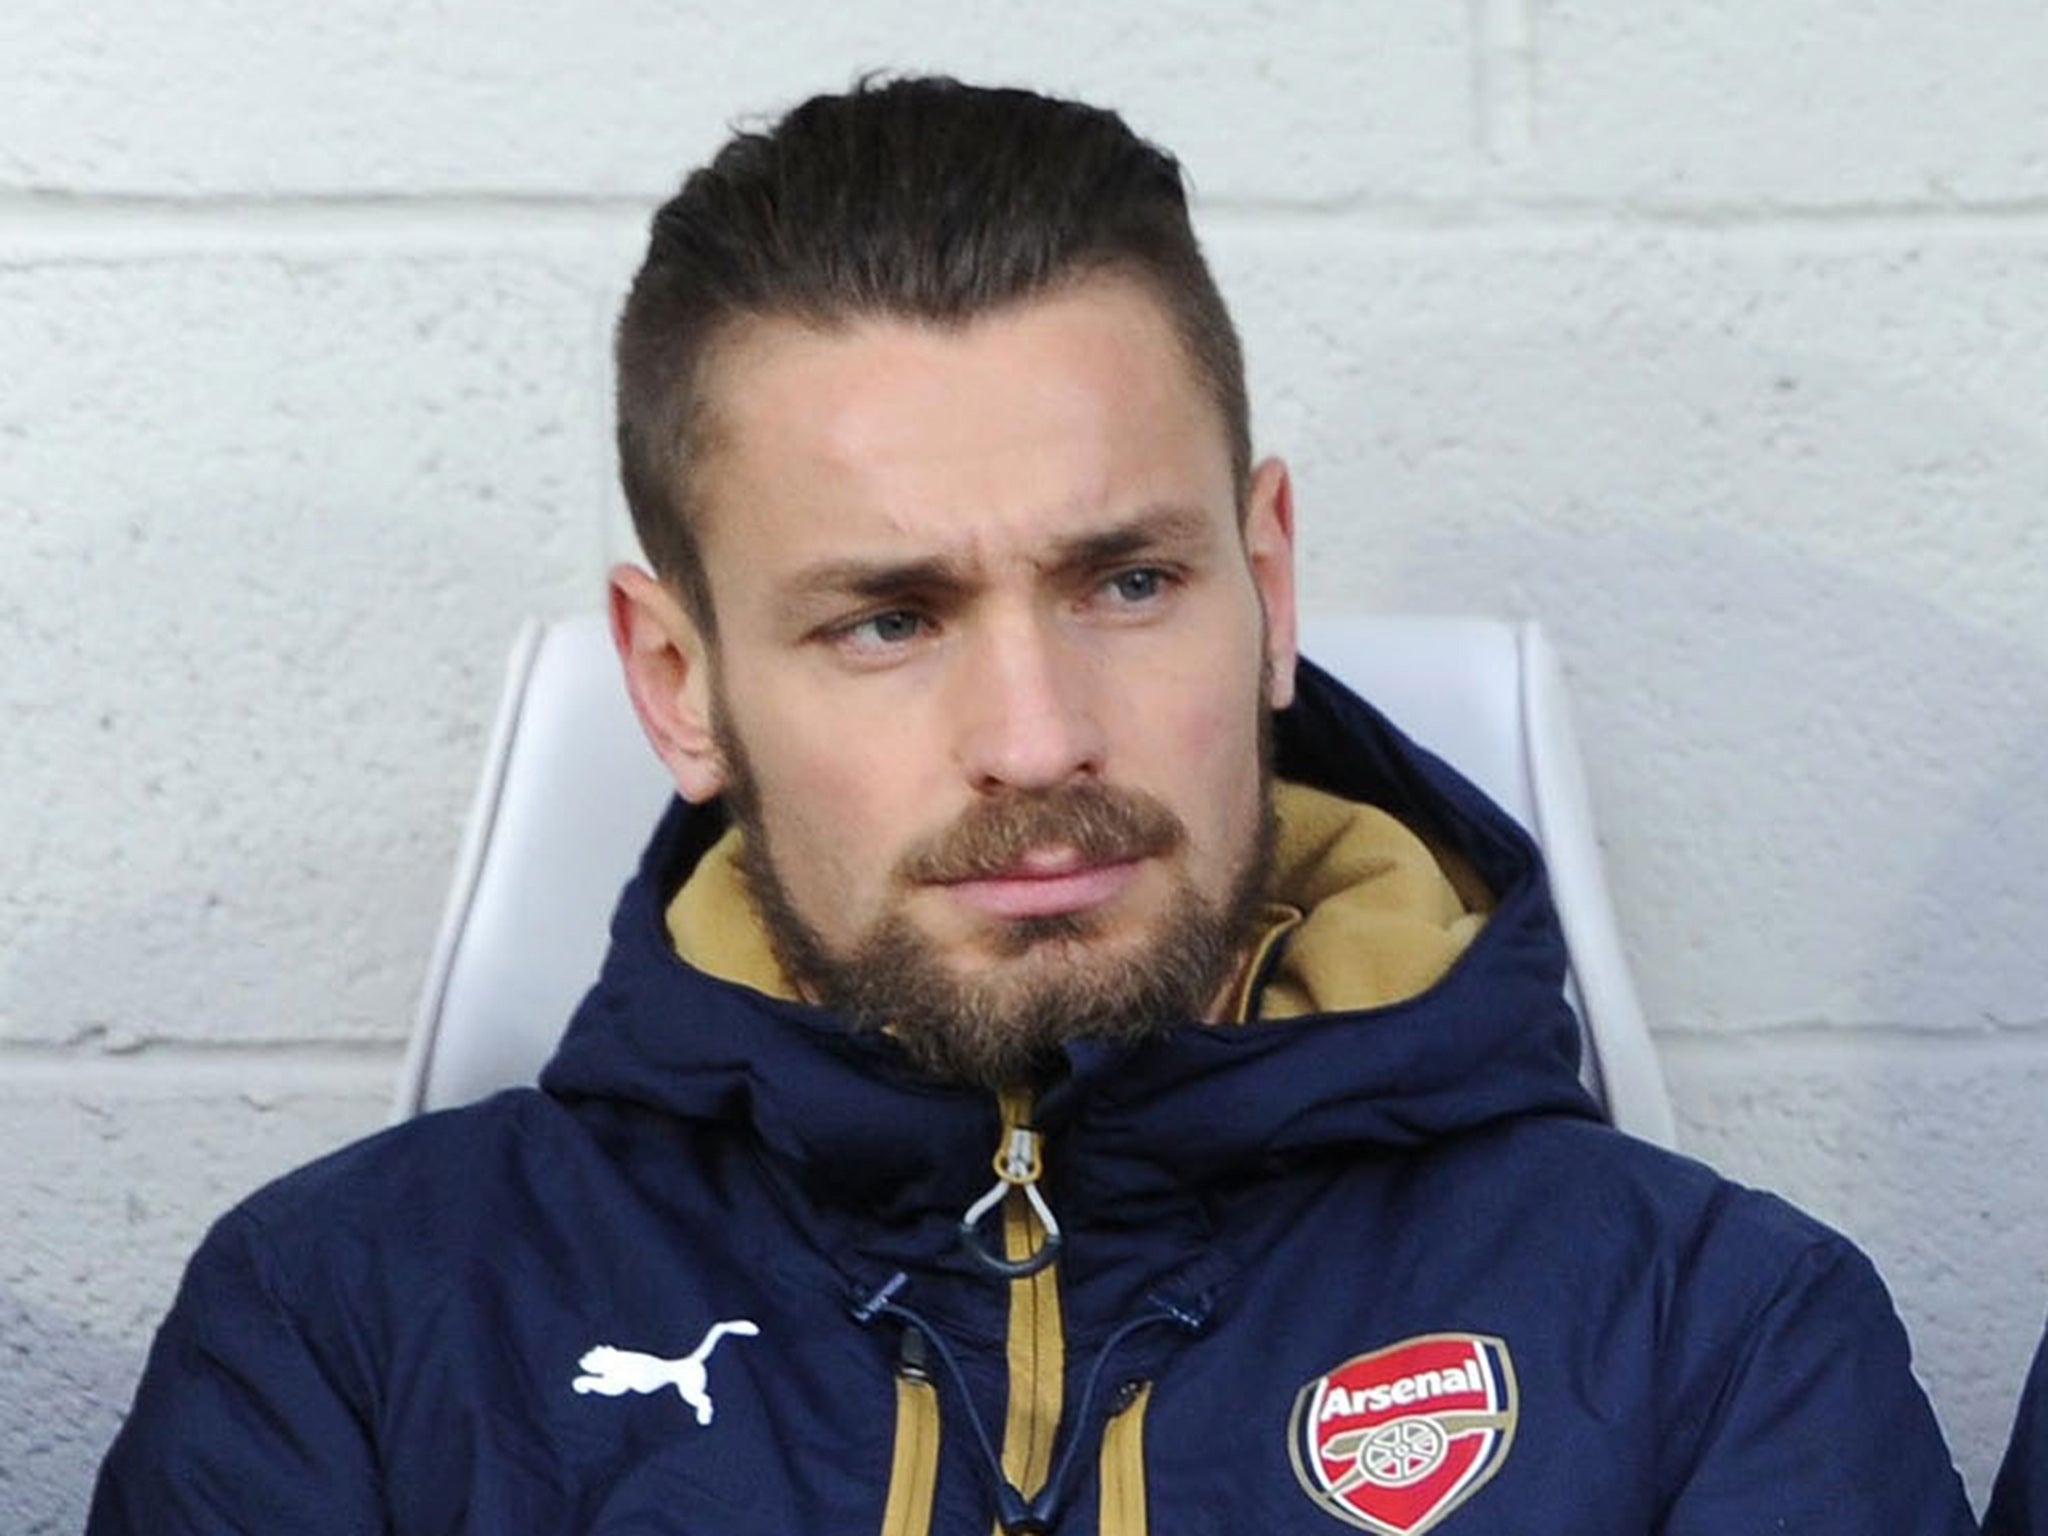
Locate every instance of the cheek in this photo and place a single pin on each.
(1217, 730)
(1222, 689)
(1231, 756)
(1207, 746)
(838, 802)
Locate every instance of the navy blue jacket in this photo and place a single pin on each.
(2019, 1499)
(1382, 1271)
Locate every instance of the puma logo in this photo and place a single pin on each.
(615, 1372)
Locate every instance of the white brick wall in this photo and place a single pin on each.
(1714, 335)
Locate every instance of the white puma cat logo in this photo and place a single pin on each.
(615, 1372)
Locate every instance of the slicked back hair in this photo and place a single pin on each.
(917, 199)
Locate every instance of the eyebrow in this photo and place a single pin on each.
(873, 579)
(1149, 529)
(878, 580)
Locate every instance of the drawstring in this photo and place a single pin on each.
(1045, 1508)
(883, 1304)
(1021, 1516)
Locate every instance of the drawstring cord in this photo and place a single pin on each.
(1021, 1516)
(884, 1304)
(1045, 1508)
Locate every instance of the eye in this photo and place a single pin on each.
(879, 634)
(891, 628)
(1139, 585)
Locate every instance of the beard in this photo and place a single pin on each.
(1005, 1027)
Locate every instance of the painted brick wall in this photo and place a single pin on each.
(1715, 335)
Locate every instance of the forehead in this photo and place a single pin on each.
(1022, 424)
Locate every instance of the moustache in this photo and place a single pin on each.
(1102, 824)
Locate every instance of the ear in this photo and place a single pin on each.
(1269, 549)
(668, 676)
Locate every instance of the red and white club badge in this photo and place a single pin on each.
(1394, 1440)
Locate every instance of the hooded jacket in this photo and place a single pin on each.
(1380, 1269)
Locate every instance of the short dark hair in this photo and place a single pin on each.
(917, 198)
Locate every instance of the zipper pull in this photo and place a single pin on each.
(1018, 1163)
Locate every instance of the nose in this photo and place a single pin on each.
(1029, 707)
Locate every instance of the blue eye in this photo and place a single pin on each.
(881, 634)
(1138, 586)
(891, 628)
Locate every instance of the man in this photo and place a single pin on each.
(972, 620)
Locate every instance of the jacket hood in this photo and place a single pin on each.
(1124, 1126)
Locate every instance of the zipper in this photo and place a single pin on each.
(914, 1464)
(1031, 1483)
(1016, 1513)
(1036, 1337)
(1035, 1343)
(1122, 1480)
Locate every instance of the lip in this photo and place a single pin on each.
(1034, 890)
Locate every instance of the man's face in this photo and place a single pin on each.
(992, 668)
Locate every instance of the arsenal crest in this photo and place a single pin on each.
(1393, 1441)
